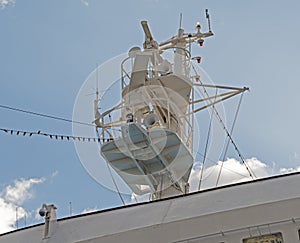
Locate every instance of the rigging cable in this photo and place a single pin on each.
(44, 115)
(227, 132)
(233, 143)
(233, 125)
(224, 167)
(112, 177)
(204, 157)
(227, 144)
(206, 148)
(115, 183)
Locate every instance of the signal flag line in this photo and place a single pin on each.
(51, 136)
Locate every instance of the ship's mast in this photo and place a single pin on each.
(153, 151)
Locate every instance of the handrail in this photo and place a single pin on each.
(124, 71)
(152, 68)
(186, 130)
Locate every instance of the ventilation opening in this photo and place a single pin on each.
(269, 238)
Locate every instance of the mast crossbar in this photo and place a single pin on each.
(221, 87)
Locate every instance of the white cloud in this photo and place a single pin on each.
(4, 3)
(89, 210)
(8, 212)
(289, 170)
(85, 2)
(233, 171)
(11, 199)
(51, 178)
(54, 174)
(20, 191)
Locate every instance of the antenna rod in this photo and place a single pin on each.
(17, 218)
(208, 19)
(97, 89)
(70, 208)
(180, 20)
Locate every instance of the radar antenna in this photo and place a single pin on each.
(147, 30)
(149, 43)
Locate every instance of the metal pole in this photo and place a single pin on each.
(17, 224)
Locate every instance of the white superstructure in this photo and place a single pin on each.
(262, 211)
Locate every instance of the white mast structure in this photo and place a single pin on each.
(153, 150)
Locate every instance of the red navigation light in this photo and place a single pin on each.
(198, 59)
(201, 42)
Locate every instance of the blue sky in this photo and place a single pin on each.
(48, 48)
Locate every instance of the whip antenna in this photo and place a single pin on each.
(208, 19)
(180, 20)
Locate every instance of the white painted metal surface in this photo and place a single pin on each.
(142, 159)
(148, 136)
(229, 214)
